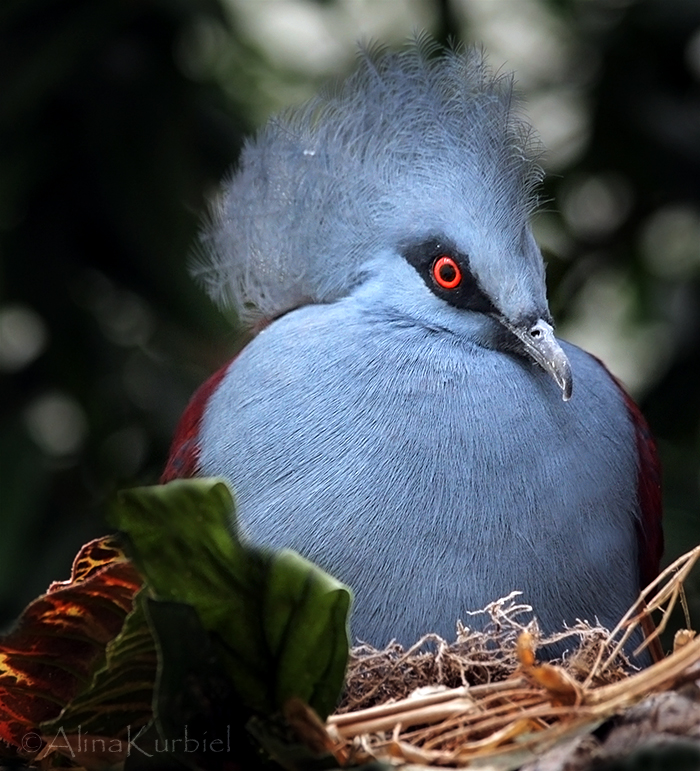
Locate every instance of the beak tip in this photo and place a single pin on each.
(543, 348)
(565, 379)
(560, 370)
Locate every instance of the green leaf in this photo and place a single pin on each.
(280, 623)
(305, 619)
(278, 740)
(199, 717)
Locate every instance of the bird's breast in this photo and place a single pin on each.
(429, 473)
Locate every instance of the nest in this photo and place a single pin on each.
(486, 699)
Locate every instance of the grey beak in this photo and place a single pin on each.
(542, 346)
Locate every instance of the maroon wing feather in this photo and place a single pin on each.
(650, 536)
(649, 532)
(183, 460)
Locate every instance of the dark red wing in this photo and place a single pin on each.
(650, 536)
(183, 461)
(649, 532)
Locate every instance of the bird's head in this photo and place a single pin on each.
(418, 164)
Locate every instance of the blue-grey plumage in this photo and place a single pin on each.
(412, 145)
(385, 439)
(400, 420)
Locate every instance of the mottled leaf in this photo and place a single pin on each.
(60, 639)
(119, 700)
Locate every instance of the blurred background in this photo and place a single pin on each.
(118, 118)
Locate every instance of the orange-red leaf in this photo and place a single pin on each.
(60, 638)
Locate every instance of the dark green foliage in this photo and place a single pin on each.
(107, 152)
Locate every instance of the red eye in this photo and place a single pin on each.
(446, 272)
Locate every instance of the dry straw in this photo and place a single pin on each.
(485, 701)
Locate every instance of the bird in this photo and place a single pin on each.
(404, 415)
